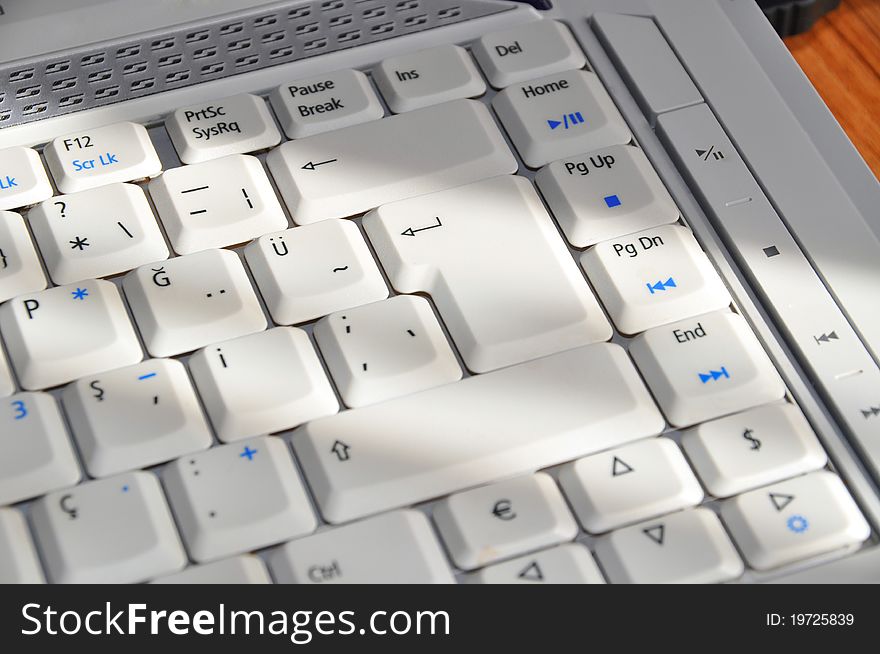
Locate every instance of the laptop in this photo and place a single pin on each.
(474, 291)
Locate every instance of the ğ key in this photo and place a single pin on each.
(188, 302)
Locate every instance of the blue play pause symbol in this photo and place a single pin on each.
(714, 375)
(567, 121)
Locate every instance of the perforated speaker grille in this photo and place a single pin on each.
(151, 63)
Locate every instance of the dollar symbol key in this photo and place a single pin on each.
(756, 444)
(99, 392)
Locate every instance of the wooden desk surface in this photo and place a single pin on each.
(841, 56)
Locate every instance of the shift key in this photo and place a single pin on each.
(352, 170)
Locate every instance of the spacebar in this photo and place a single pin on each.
(480, 429)
(352, 170)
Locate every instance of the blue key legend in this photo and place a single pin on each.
(612, 201)
(714, 375)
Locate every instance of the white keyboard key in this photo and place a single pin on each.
(236, 498)
(217, 203)
(570, 563)
(115, 530)
(705, 368)
(629, 484)
(38, 457)
(261, 383)
(420, 79)
(654, 277)
(528, 51)
(121, 152)
(504, 423)
(244, 569)
(386, 349)
(23, 180)
(18, 558)
(492, 260)
(324, 103)
(68, 332)
(188, 302)
(753, 448)
(402, 550)
(484, 525)
(20, 269)
(560, 116)
(97, 233)
(135, 417)
(605, 194)
(308, 272)
(7, 384)
(234, 125)
(795, 519)
(688, 547)
(422, 151)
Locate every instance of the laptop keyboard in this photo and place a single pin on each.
(463, 385)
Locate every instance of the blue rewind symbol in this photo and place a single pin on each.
(568, 121)
(714, 375)
(661, 285)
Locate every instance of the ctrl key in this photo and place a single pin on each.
(402, 550)
(116, 530)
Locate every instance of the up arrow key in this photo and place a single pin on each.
(340, 449)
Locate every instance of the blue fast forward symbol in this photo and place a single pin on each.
(714, 375)
(661, 285)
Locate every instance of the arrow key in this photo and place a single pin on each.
(689, 547)
(496, 522)
(629, 484)
(795, 519)
(571, 563)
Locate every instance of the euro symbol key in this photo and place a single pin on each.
(503, 510)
